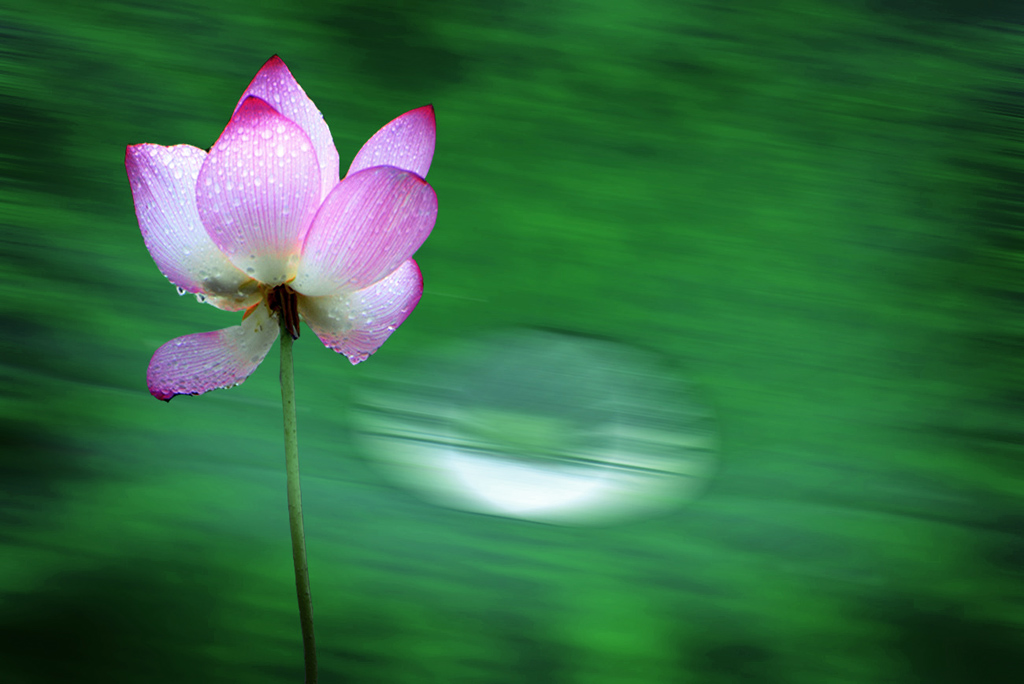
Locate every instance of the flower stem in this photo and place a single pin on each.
(291, 460)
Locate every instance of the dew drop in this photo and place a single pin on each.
(200, 297)
(181, 291)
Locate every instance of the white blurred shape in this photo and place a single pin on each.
(541, 426)
(523, 490)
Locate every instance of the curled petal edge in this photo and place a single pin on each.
(198, 363)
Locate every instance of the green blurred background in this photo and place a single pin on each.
(812, 206)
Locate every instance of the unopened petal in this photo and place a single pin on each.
(198, 363)
(275, 85)
(356, 324)
(370, 223)
(257, 191)
(163, 181)
(406, 143)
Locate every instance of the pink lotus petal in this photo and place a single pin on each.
(406, 143)
(257, 191)
(198, 363)
(275, 85)
(163, 181)
(356, 324)
(369, 224)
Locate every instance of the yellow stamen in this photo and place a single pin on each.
(249, 311)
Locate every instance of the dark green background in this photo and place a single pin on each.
(811, 206)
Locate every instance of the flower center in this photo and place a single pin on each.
(285, 301)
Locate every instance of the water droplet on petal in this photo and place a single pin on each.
(181, 291)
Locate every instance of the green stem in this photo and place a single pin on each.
(291, 461)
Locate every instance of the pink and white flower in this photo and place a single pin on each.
(263, 224)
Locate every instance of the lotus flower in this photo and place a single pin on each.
(262, 224)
